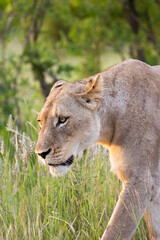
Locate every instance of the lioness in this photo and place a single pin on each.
(120, 109)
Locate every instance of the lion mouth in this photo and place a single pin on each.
(68, 162)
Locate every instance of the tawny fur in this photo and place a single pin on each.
(120, 109)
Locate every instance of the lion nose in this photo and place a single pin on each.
(44, 154)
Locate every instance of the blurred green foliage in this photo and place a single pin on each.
(69, 39)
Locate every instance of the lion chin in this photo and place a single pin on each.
(58, 171)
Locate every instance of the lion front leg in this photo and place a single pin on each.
(128, 212)
(152, 218)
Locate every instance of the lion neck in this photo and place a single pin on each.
(107, 123)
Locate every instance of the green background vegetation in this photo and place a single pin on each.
(42, 41)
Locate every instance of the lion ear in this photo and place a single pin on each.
(92, 97)
(57, 85)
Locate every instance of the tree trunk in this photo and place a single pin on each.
(132, 16)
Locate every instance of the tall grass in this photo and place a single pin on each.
(34, 205)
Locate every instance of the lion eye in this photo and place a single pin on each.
(40, 124)
(62, 120)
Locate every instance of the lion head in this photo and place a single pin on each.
(68, 122)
